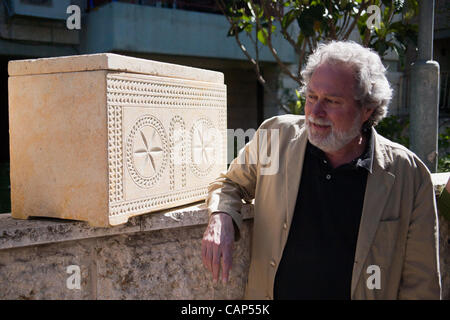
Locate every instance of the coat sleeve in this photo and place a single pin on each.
(227, 192)
(420, 275)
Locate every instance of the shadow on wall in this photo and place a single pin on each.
(5, 202)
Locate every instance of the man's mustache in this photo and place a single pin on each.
(318, 121)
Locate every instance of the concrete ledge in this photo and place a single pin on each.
(16, 233)
(440, 180)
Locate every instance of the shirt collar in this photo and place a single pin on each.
(365, 160)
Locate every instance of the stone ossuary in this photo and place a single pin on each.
(104, 137)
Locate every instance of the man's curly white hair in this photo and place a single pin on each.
(372, 87)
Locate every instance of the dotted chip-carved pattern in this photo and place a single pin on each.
(157, 92)
(222, 122)
(197, 170)
(177, 121)
(115, 147)
(155, 202)
(141, 181)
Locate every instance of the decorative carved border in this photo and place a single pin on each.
(177, 120)
(156, 202)
(115, 151)
(157, 92)
(223, 120)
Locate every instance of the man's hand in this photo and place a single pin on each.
(217, 245)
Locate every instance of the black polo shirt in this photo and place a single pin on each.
(317, 261)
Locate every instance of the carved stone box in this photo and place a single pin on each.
(104, 137)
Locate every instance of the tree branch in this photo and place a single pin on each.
(255, 64)
(344, 24)
(363, 7)
(283, 67)
(300, 59)
(311, 47)
(331, 25)
(286, 33)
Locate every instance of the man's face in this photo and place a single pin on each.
(333, 117)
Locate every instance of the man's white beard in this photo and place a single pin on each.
(334, 140)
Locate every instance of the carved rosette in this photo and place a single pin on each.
(147, 151)
(203, 142)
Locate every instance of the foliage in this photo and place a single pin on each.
(444, 148)
(305, 23)
(396, 128)
(392, 35)
(295, 103)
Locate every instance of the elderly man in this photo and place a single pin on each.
(348, 214)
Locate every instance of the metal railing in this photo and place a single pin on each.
(208, 6)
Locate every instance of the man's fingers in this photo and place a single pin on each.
(227, 258)
(217, 246)
(216, 263)
(209, 257)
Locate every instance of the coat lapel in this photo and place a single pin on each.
(379, 184)
(294, 165)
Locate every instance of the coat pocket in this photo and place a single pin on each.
(385, 241)
(382, 255)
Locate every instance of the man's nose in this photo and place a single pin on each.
(318, 109)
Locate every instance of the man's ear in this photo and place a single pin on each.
(367, 113)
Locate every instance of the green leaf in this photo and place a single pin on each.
(263, 35)
(288, 18)
(307, 18)
(247, 18)
(248, 28)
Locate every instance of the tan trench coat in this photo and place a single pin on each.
(398, 230)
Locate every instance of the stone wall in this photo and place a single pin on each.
(153, 256)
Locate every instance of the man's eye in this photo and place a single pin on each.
(332, 101)
(311, 97)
